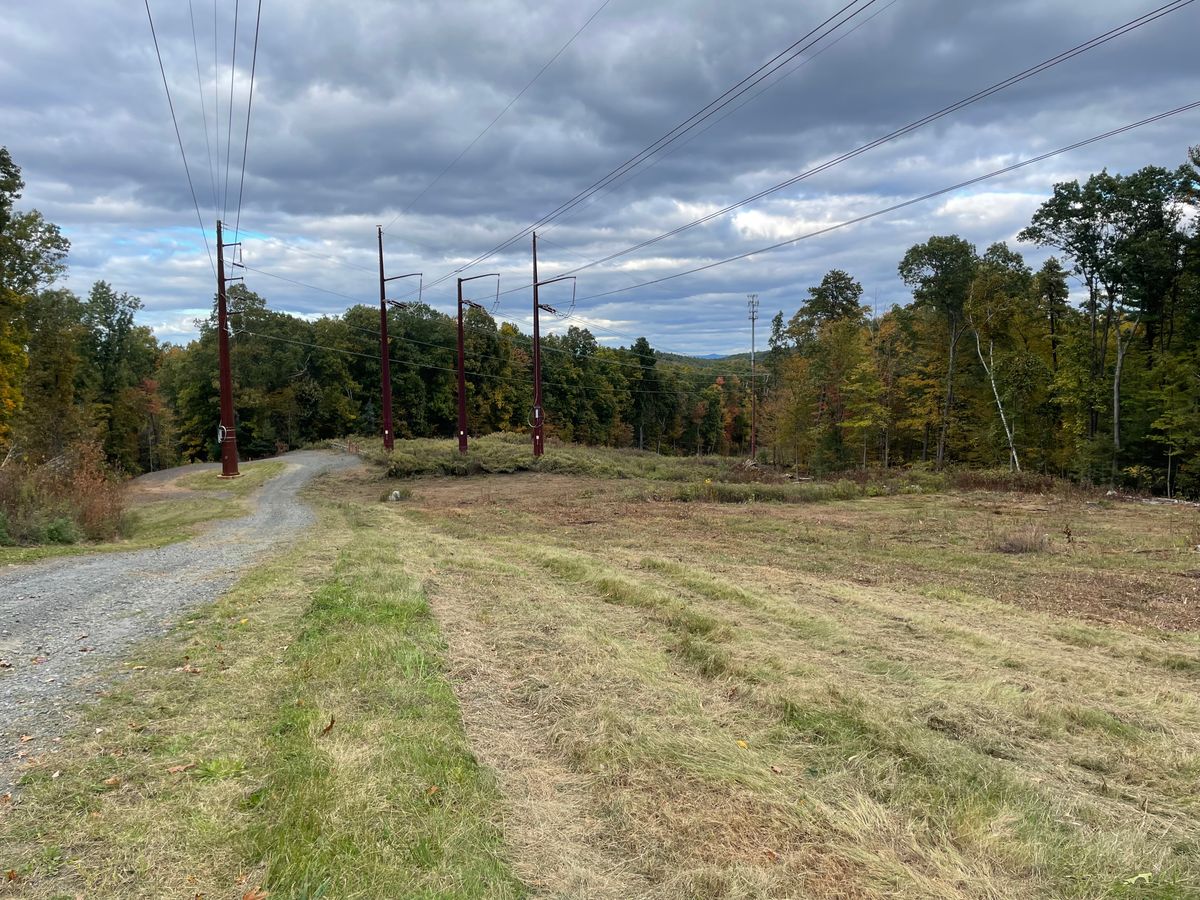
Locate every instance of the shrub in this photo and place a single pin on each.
(60, 531)
(61, 501)
(1030, 539)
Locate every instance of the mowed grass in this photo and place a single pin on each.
(166, 513)
(299, 736)
(580, 686)
(878, 697)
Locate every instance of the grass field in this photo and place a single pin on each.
(560, 685)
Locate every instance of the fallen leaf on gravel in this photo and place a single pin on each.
(25, 738)
(56, 774)
(112, 782)
(5, 798)
(138, 668)
(38, 660)
(328, 728)
(175, 770)
(433, 789)
(5, 664)
(189, 668)
(772, 855)
(11, 875)
(743, 745)
(255, 894)
(136, 726)
(777, 770)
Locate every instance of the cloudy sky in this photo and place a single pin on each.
(358, 107)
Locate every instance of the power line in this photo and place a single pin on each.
(929, 196)
(421, 365)
(776, 78)
(358, 301)
(229, 126)
(499, 115)
(910, 127)
(731, 94)
(246, 139)
(212, 176)
(187, 171)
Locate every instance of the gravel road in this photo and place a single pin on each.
(64, 622)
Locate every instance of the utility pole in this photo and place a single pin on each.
(462, 372)
(226, 431)
(385, 362)
(752, 306)
(385, 366)
(539, 417)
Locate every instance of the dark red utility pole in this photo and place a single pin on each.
(385, 367)
(385, 362)
(752, 307)
(226, 432)
(462, 371)
(539, 416)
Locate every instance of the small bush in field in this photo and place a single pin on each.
(60, 531)
(1030, 539)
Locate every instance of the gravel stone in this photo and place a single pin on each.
(65, 622)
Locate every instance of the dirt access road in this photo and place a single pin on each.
(64, 622)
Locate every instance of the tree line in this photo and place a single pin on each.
(1087, 367)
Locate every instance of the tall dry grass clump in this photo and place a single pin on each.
(64, 500)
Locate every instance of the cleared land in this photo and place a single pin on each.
(551, 684)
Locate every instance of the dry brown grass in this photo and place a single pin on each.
(918, 715)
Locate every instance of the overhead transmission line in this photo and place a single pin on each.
(229, 125)
(178, 137)
(1017, 78)
(774, 81)
(810, 39)
(910, 202)
(421, 365)
(450, 165)
(246, 139)
(212, 176)
(511, 318)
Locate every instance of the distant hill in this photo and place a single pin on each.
(735, 362)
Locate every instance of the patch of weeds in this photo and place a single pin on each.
(1081, 636)
(1173, 662)
(222, 767)
(1030, 538)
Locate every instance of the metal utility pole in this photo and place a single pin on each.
(462, 372)
(226, 431)
(385, 367)
(385, 363)
(752, 306)
(539, 417)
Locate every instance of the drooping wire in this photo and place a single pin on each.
(912, 201)
(246, 140)
(982, 94)
(411, 203)
(747, 83)
(229, 124)
(178, 137)
(795, 65)
(421, 365)
(212, 175)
